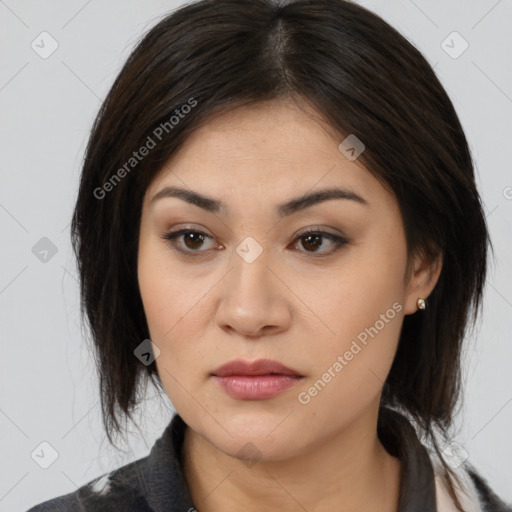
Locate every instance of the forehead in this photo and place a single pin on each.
(271, 150)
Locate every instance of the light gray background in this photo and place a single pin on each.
(48, 382)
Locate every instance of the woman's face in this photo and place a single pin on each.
(245, 283)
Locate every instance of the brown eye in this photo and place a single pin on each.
(313, 241)
(191, 239)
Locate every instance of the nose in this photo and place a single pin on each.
(254, 299)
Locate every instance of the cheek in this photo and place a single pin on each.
(354, 295)
(174, 304)
(364, 312)
(161, 304)
(173, 318)
(168, 293)
(171, 329)
(350, 372)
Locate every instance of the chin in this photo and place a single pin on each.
(253, 449)
(255, 437)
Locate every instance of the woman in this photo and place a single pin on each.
(278, 225)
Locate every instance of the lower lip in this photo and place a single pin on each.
(257, 387)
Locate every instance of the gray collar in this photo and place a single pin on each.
(166, 489)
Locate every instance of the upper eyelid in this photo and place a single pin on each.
(313, 228)
(302, 232)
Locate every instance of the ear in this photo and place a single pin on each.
(421, 280)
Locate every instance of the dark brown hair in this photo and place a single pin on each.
(365, 79)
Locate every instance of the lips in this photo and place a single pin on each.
(259, 367)
(257, 380)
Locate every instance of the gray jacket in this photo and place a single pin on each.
(156, 483)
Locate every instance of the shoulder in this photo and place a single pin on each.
(154, 482)
(475, 494)
(118, 490)
(490, 500)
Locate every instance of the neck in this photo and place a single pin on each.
(352, 471)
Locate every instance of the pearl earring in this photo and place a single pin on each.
(421, 304)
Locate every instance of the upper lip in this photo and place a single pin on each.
(259, 367)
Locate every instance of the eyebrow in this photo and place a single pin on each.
(284, 209)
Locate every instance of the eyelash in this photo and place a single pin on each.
(170, 239)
